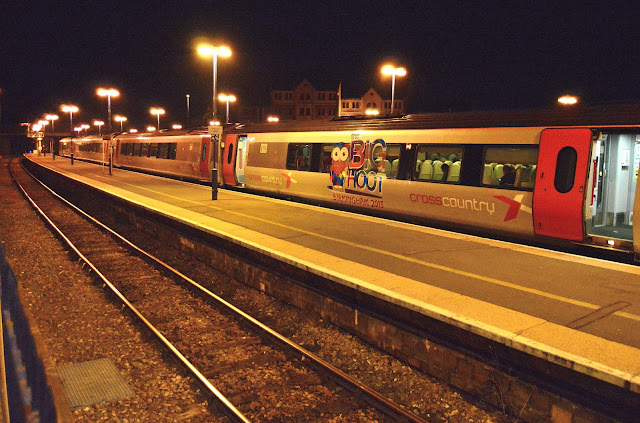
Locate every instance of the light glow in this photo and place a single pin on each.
(273, 119)
(206, 50)
(151, 128)
(176, 126)
(392, 70)
(568, 100)
(107, 92)
(227, 97)
(69, 108)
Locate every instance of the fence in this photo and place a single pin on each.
(29, 397)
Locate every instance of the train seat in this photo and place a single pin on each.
(426, 171)
(531, 179)
(498, 173)
(437, 170)
(387, 168)
(488, 173)
(418, 165)
(394, 168)
(454, 172)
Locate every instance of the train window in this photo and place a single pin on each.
(299, 157)
(392, 161)
(565, 169)
(438, 163)
(145, 149)
(173, 147)
(163, 150)
(325, 163)
(510, 167)
(204, 153)
(136, 149)
(153, 149)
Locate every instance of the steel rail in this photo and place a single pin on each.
(230, 409)
(374, 398)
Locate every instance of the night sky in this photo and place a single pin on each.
(460, 56)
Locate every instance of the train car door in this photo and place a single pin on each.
(241, 158)
(559, 193)
(229, 160)
(204, 155)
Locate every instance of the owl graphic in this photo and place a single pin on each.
(339, 165)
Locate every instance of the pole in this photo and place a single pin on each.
(109, 110)
(188, 117)
(215, 72)
(227, 111)
(393, 88)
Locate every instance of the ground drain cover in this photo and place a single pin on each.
(92, 382)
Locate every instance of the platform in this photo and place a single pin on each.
(578, 312)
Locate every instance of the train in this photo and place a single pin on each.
(538, 178)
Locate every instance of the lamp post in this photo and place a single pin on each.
(393, 71)
(214, 52)
(71, 109)
(84, 127)
(188, 114)
(227, 98)
(108, 92)
(120, 119)
(157, 111)
(99, 124)
(53, 119)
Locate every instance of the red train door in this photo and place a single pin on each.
(204, 156)
(559, 193)
(229, 160)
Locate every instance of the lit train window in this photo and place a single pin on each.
(325, 162)
(163, 150)
(299, 157)
(438, 163)
(565, 169)
(204, 152)
(510, 167)
(145, 149)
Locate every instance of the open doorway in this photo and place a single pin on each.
(615, 161)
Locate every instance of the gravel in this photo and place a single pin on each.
(79, 322)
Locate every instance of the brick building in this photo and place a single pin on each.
(307, 103)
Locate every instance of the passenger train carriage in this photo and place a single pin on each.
(567, 183)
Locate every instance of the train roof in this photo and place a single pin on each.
(594, 116)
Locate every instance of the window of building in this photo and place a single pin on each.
(308, 110)
(302, 111)
(510, 167)
(308, 96)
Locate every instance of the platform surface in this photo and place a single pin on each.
(562, 307)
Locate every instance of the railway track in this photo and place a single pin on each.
(249, 369)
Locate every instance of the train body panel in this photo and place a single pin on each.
(574, 184)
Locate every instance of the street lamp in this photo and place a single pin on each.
(393, 71)
(157, 111)
(120, 119)
(273, 119)
(108, 92)
(71, 109)
(151, 128)
(53, 119)
(99, 124)
(568, 100)
(188, 116)
(176, 126)
(227, 98)
(84, 126)
(209, 50)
